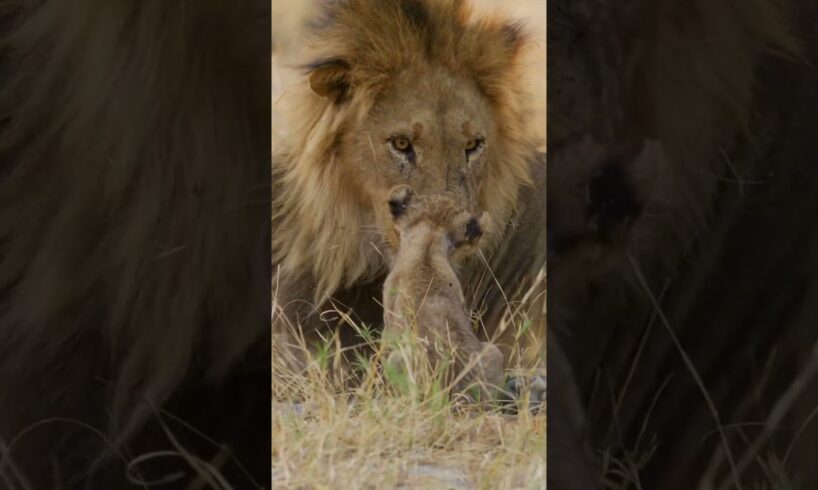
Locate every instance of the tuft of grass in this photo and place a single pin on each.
(396, 428)
(351, 419)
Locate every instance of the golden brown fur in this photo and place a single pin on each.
(422, 292)
(427, 69)
(134, 226)
(697, 77)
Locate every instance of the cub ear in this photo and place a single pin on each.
(469, 227)
(485, 223)
(329, 78)
(399, 199)
(474, 227)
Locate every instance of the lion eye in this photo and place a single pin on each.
(473, 145)
(401, 144)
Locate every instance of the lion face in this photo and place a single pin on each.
(429, 130)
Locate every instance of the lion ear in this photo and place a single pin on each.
(514, 36)
(330, 78)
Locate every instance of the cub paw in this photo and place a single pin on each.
(486, 380)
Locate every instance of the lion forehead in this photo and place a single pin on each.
(433, 99)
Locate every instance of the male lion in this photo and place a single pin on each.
(415, 92)
(669, 336)
(422, 293)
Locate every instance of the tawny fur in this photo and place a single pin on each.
(422, 292)
(133, 214)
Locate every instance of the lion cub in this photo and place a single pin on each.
(423, 293)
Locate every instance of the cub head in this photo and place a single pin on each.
(438, 217)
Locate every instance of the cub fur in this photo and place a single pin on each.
(422, 292)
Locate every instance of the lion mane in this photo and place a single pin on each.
(317, 213)
(134, 223)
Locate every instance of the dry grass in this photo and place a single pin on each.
(383, 443)
(349, 423)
